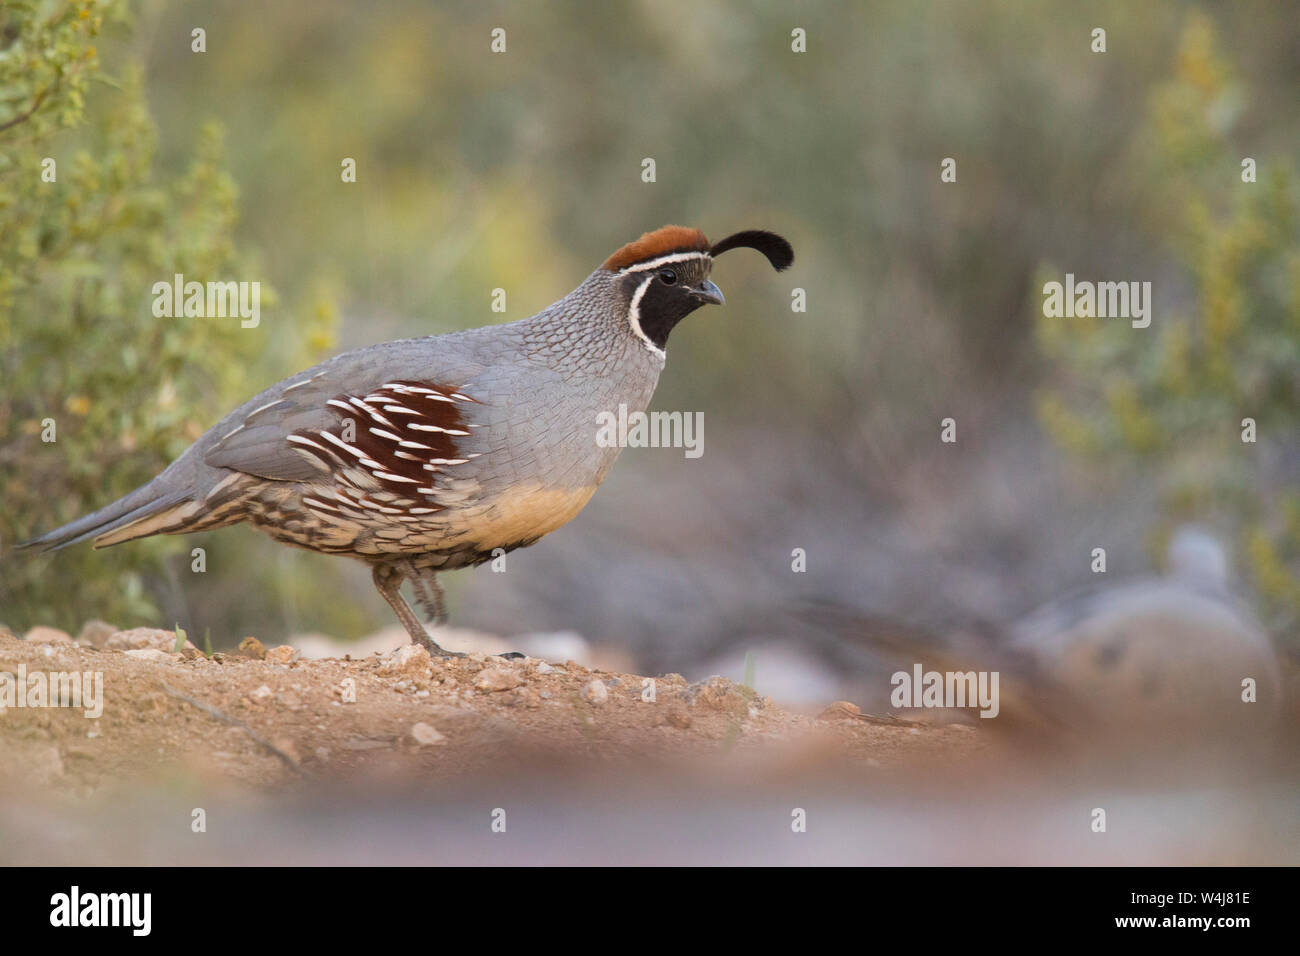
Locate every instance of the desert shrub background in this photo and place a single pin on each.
(1228, 348)
(126, 392)
(522, 171)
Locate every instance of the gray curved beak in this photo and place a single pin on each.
(706, 291)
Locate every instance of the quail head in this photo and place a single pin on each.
(430, 454)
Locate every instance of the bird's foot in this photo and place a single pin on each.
(432, 646)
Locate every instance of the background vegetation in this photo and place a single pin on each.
(522, 171)
(1227, 349)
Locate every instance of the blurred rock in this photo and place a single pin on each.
(47, 635)
(425, 735)
(252, 647)
(151, 654)
(144, 637)
(553, 646)
(281, 654)
(1159, 655)
(793, 677)
(96, 632)
(840, 710)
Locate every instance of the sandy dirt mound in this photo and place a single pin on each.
(261, 717)
(397, 757)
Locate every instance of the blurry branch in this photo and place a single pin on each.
(27, 114)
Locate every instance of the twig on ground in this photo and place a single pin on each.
(235, 722)
(888, 719)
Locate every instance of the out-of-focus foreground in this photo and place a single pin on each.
(263, 757)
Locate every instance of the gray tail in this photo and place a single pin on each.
(148, 510)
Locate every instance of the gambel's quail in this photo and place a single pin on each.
(429, 454)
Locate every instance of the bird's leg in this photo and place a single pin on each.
(388, 580)
(432, 598)
(432, 601)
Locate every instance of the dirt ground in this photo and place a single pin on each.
(399, 758)
(261, 717)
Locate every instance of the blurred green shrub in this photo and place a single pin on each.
(126, 391)
(1224, 343)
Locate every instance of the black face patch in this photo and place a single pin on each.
(668, 297)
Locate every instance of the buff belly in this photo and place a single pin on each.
(455, 537)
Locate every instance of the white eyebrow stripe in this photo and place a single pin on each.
(634, 318)
(663, 261)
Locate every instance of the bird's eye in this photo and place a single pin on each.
(668, 276)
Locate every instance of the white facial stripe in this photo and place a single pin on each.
(634, 317)
(664, 260)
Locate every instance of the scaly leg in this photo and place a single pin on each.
(388, 580)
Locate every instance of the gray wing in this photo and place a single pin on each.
(254, 438)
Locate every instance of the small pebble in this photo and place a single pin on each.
(407, 658)
(595, 692)
(425, 735)
(151, 654)
(498, 678)
(281, 654)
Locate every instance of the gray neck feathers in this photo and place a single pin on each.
(588, 330)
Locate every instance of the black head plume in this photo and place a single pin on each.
(777, 250)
